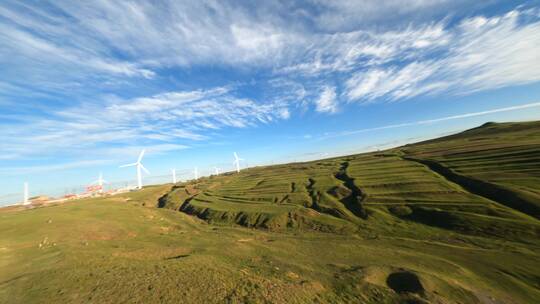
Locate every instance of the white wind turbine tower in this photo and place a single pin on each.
(196, 173)
(100, 181)
(139, 167)
(237, 162)
(173, 176)
(216, 170)
(26, 195)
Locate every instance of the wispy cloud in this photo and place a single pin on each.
(40, 42)
(477, 53)
(346, 15)
(347, 51)
(428, 121)
(159, 121)
(327, 101)
(107, 75)
(68, 46)
(481, 53)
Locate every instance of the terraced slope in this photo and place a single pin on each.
(411, 191)
(114, 250)
(498, 161)
(407, 225)
(372, 191)
(275, 198)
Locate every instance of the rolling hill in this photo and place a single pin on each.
(449, 220)
(484, 181)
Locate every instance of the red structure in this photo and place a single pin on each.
(93, 188)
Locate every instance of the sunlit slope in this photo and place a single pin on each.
(276, 197)
(114, 250)
(371, 191)
(406, 225)
(497, 160)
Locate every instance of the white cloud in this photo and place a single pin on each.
(61, 44)
(90, 48)
(395, 83)
(81, 45)
(258, 39)
(431, 121)
(327, 101)
(191, 33)
(344, 52)
(159, 121)
(284, 113)
(482, 53)
(344, 15)
(169, 33)
(26, 46)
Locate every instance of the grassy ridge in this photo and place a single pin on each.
(379, 189)
(115, 250)
(395, 229)
(501, 161)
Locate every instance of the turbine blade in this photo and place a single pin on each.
(128, 165)
(145, 170)
(140, 156)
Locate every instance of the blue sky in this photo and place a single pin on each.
(84, 86)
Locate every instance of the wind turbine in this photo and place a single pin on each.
(100, 181)
(173, 176)
(216, 169)
(237, 162)
(26, 196)
(196, 173)
(139, 167)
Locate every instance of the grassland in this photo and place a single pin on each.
(499, 161)
(374, 190)
(406, 225)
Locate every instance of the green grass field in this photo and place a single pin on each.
(451, 220)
